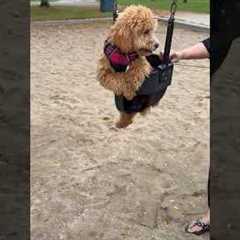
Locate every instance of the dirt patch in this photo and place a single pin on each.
(90, 181)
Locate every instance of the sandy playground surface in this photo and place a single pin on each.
(91, 181)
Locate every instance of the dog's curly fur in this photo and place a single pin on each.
(132, 32)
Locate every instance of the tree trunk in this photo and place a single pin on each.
(44, 3)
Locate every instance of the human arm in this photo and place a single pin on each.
(198, 51)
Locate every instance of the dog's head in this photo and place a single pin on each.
(134, 31)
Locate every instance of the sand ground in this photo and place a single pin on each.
(91, 181)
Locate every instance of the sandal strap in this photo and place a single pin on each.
(203, 225)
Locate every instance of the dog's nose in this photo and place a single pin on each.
(156, 45)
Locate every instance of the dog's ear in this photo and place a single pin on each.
(122, 37)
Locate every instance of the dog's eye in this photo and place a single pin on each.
(147, 32)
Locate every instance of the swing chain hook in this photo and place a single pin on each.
(173, 8)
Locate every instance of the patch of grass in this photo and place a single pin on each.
(65, 12)
(199, 6)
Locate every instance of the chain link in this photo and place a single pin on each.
(115, 10)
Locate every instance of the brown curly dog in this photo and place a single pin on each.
(123, 67)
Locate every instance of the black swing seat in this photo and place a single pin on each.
(152, 89)
(160, 77)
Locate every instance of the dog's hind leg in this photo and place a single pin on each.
(145, 111)
(125, 119)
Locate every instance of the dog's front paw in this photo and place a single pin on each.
(128, 91)
(129, 95)
(147, 69)
(118, 92)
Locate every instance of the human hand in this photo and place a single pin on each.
(176, 56)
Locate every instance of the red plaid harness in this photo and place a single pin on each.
(118, 60)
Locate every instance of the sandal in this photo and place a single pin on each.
(204, 227)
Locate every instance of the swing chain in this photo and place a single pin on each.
(115, 10)
(173, 9)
